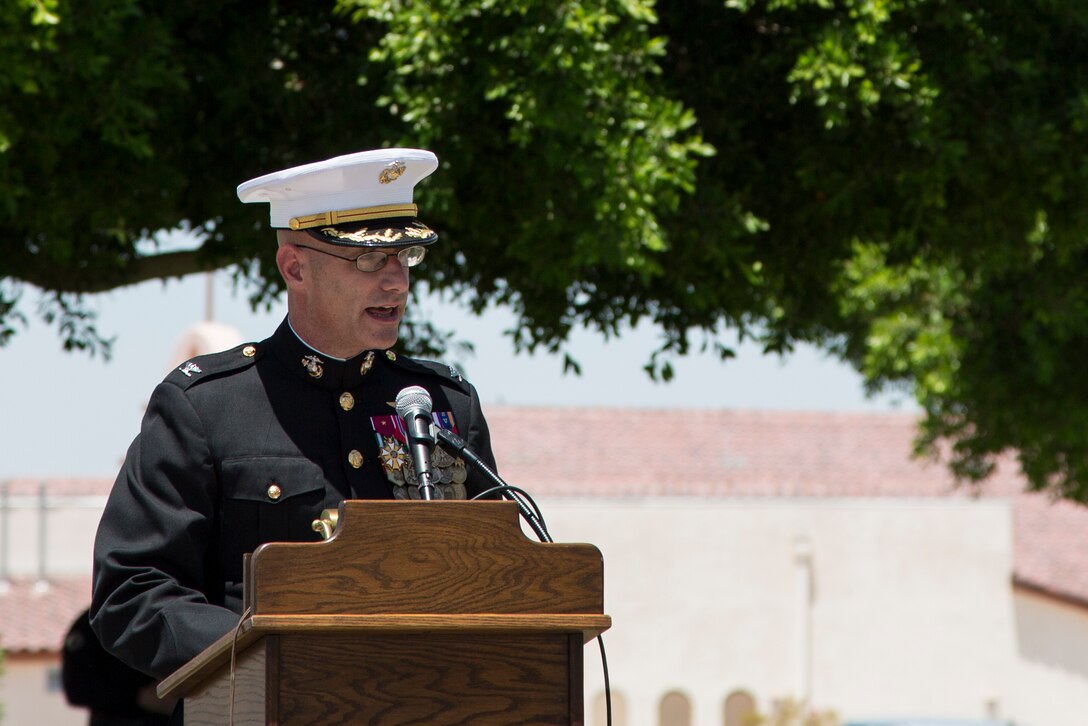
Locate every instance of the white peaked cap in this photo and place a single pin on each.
(355, 182)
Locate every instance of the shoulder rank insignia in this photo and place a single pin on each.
(189, 369)
(397, 464)
(211, 366)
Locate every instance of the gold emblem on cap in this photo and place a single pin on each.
(347, 401)
(391, 172)
(368, 363)
(249, 351)
(274, 492)
(355, 458)
(390, 355)
(314, 365)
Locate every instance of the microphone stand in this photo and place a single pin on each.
(426, 485)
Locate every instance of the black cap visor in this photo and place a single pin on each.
(393, 232)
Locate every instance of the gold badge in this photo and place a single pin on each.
(391, 172)
(314, 365)
(368, 363)
(390, 355)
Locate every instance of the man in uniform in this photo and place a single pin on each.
(250, 445)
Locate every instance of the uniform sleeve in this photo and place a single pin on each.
(93, 678)
(152, 554)
(479, 441)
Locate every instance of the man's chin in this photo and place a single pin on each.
(381, 340)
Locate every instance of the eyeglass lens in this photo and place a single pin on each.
(374, 261)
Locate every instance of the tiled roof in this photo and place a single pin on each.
(35, 619)
(624, 452)
(1050, 540)
(646, 453)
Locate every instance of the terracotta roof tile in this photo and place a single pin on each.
(1051, 547)
(624, 452)
(34, 619)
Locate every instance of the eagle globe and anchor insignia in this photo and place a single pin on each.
(393, 454)
(314, 365)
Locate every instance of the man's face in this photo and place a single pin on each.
(342, 310)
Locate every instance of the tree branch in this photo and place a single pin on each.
(167, 265)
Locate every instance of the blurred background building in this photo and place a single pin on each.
(750, 557)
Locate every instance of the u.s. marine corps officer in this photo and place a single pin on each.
(250, 445)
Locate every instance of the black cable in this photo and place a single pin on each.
(514, 494)
(530, 512)
(459, 446)
(607, 684)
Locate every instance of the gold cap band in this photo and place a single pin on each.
(354, 215)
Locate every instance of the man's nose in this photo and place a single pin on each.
(394, 275)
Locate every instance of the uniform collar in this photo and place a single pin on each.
(322, 370)
(326, 356)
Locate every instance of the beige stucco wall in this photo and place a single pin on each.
(1051, 673)
(911, 609)
(27, 698)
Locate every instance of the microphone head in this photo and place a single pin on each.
(413, 400)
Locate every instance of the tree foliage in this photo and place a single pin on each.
(902, 182)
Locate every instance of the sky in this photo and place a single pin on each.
(67, 414)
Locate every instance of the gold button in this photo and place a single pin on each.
(249, 351)
(347, 401)
(390, 355)
(274, 492)
(355, 458)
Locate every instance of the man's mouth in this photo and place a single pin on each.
(384, 313)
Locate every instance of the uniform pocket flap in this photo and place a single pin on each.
(271, 479)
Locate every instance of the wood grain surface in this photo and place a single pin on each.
(426, 557)
(412, 613)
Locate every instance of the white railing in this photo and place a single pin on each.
(33, 544)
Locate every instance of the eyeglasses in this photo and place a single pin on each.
(374, 261)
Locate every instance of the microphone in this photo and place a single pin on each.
(414, 407)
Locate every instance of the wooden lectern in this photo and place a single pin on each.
(411, 613)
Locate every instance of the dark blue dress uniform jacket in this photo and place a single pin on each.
(237, 449)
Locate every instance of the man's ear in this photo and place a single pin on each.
(290, 264)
